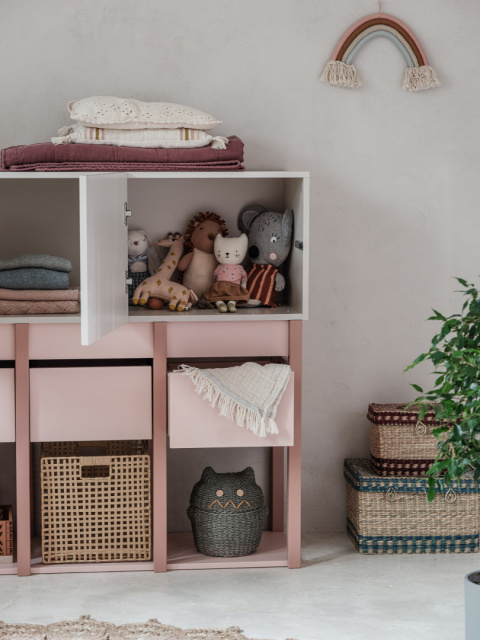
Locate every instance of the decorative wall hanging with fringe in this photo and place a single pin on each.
(341, 72)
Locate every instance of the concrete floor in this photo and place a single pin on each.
(338, 594)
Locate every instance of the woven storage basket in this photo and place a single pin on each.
(401, 444)
(227, 512)
(97, 447)
(96, 509)
(6, 534)
(392, 515)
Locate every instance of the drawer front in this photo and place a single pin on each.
(7, 342)
(7, 404)
(225, 339)
(90, 403)
(193, 422)
(62, 341)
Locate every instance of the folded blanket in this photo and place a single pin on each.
(46, 156)
(249, 393)
(40, 294)
(36, 260)
(31, 278)
(24, 307)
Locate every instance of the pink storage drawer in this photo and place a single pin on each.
(90, 403)
(7, 342)
(62, 341)
(7, 404)
(193, 423)
(227, 339)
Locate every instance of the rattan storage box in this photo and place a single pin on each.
(401, 444)
(96, 509)
(392, 515)
(6, 534)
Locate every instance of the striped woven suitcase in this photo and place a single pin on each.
(392, 515)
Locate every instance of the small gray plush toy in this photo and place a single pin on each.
(269, 243)
(142, 253)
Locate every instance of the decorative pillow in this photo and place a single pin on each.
(109, 112)
(147, 138)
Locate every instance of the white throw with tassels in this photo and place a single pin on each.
(249, 393)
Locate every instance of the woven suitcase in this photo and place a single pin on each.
(392, 515)
(401, 444)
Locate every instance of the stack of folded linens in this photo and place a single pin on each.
(118, 134)
(37, 283)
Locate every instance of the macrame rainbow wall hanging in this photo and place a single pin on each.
(341, 72)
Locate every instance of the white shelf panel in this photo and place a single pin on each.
(272, 552)
(149, 315)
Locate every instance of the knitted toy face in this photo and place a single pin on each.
(137, 242)
(227, 492)
(230, 250)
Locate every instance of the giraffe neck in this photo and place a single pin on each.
(171, 259)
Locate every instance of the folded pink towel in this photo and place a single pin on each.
(45, 156)
(39, 294)
(24, 307)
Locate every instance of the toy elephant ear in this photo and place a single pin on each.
(287, 225)
(247, 215)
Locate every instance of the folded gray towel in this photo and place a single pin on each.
(38, 260)
(34, 279)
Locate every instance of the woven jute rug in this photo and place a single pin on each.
(87, 629)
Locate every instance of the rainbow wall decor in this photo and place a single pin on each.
(341, 72)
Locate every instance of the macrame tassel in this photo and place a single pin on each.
(338, 73)
(417, 78)
(219, 142)
(63, 138)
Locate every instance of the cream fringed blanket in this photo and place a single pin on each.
(249, 394)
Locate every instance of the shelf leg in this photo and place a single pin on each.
(294, 459)
(159, 460)
(22, 439)
(278, 489)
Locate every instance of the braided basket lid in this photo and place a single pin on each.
(82, 629)
(359, 474)
(227, 492)
(396, 414)
(22, 631)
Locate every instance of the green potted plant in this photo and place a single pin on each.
(455, 356)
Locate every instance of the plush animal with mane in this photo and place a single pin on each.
(160, 285)
(199, 263)
(269, 244)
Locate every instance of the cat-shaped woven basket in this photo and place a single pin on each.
(227, 512)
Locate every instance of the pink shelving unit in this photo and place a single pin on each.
(70, 363)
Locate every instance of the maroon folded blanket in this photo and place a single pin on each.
(45, 156)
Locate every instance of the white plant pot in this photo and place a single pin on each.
(472, 606)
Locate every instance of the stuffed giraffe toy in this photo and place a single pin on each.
(160, 285)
